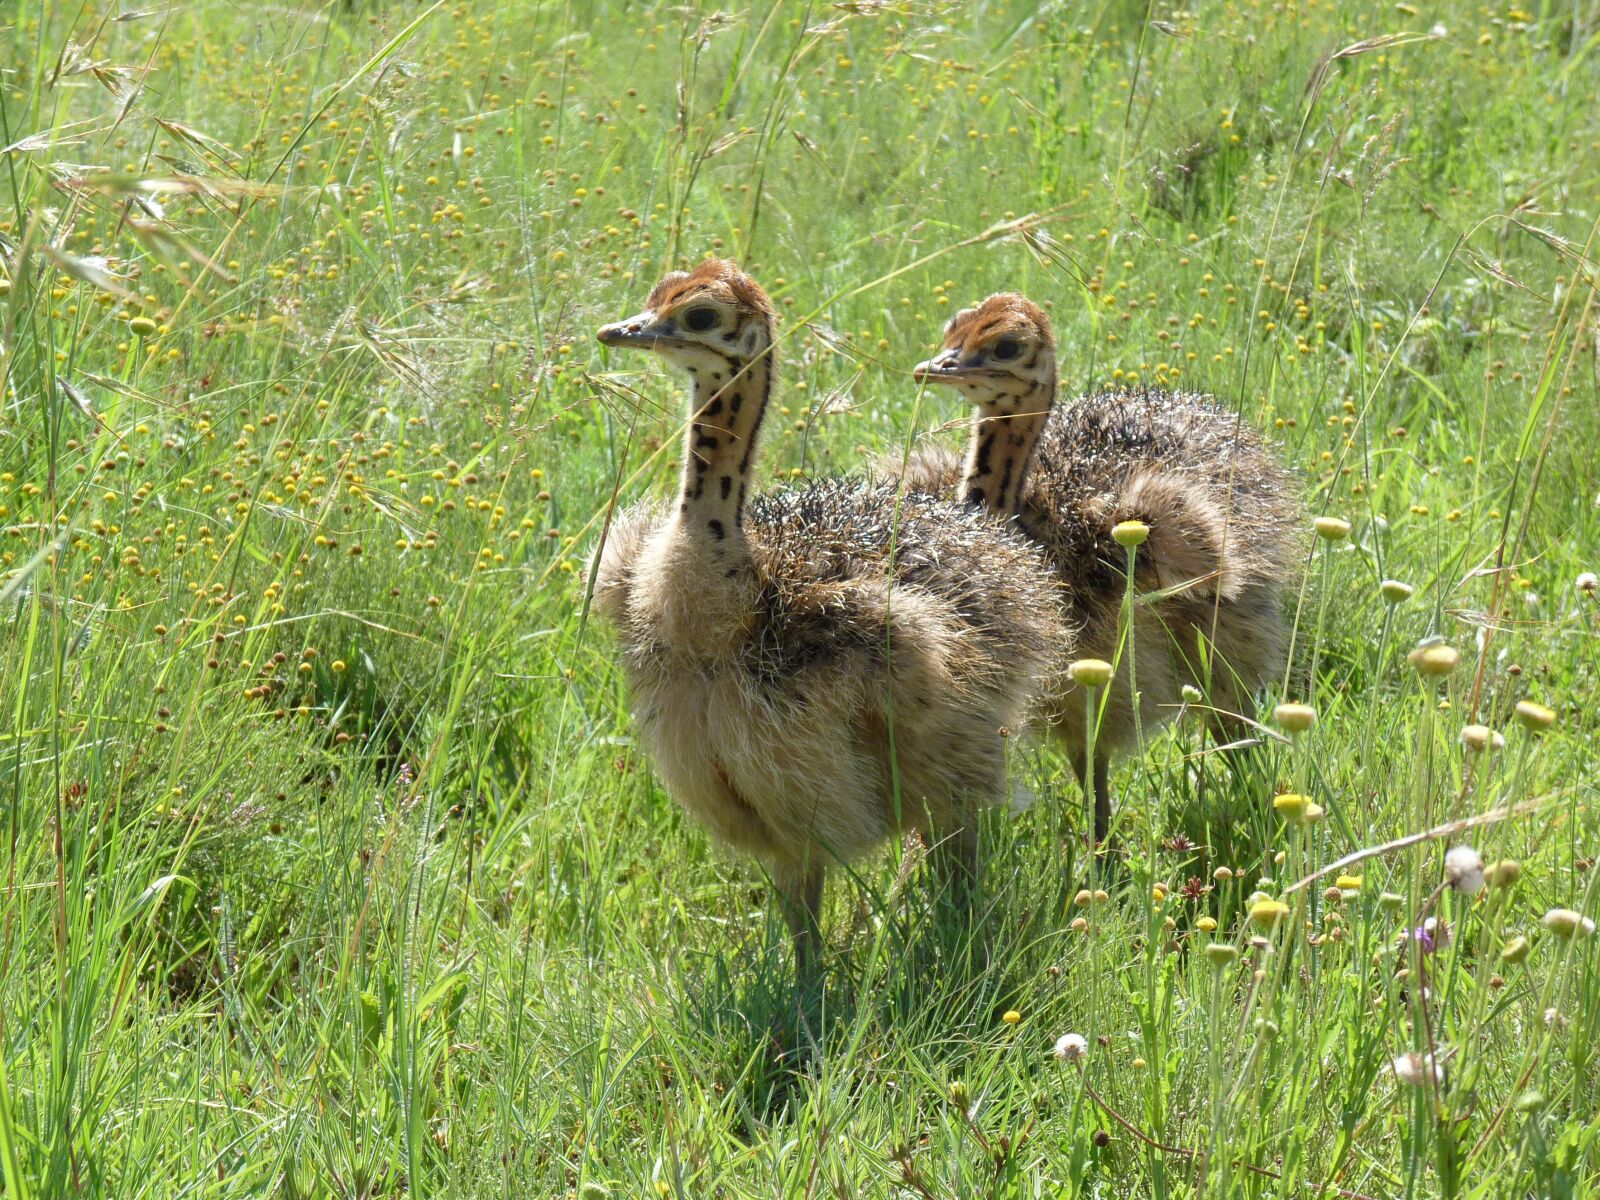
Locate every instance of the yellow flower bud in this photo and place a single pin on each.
(1331, 529)
(1534, 716)
(1130, 533)
(1090, 672)
(1436, 660)
(1296, 718)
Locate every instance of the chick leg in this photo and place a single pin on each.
(1101, 787)
(956, 865)
(800, 892)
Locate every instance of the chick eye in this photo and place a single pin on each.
(1006, 348)
(700, 319)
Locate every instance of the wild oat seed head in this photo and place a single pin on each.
(1435, 660)
(1295, 718)
(1535, 717)
(1463, 867)
(1090, 672)
(1394, 591)
(1331, 529)
(1568, 923)
(1130, 533)
(1481, 737)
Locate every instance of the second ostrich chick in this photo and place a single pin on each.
(1222, 521)
(822, 666)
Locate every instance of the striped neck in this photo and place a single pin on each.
(1005, 435)
(729, 400)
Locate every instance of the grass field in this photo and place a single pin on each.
(332, 868)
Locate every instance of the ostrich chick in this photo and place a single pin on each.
(825, 665)
(1221, 515)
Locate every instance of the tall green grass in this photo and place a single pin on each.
(333, 869)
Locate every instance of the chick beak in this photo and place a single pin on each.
(939, 369)
(639, 331)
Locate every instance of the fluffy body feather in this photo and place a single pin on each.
(1223, 533)
(861, 648)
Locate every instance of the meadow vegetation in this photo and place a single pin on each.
(332, 869)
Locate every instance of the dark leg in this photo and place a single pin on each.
(1102, 790)
(957, 873)
(1102, 799)
(800, 892)
(956, 866)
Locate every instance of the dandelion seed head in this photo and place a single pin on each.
(1071, 1047)
(1463, 868)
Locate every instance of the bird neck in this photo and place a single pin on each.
(727, 405)
(1005, 434)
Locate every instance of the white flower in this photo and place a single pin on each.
(1464, 869)
(1071, 1047)
(1413, 1069)
(1588, 582)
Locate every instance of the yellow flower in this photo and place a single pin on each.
(1267, 913)
(1297, 809)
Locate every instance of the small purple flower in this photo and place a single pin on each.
(1431, 935)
